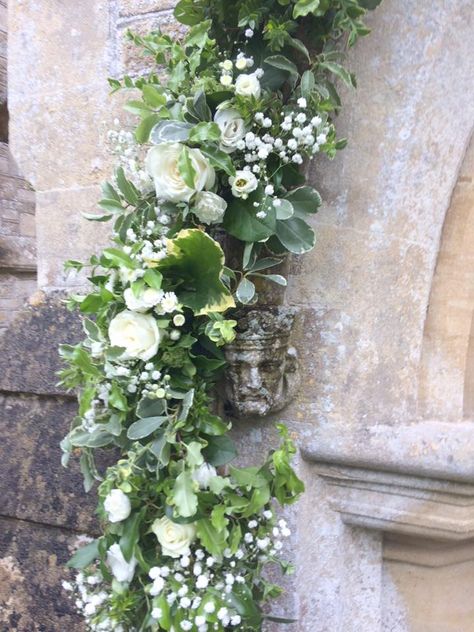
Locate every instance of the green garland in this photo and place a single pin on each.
(226, 121)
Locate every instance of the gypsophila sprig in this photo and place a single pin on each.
(227, 122)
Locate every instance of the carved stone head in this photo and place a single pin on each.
(262, 375)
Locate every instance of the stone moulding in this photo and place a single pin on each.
(432, 449)
(438, 510)
(262, 376)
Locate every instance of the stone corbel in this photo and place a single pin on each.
(394, 503)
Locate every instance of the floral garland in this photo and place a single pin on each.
(232, 112)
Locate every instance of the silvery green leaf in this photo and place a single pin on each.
(245, 291)
(170, 131)
(285, 210)
(144, 427)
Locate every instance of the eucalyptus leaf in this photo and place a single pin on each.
(170, 131)
(144, 427)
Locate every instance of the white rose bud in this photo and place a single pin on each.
(147, 299)
(209, 207)
(248, 86)
(243, 183)
(204, 474)
(232, 128)
(174, 538)
(162, 165)
(117, 505)
(122, 570)
(138, 334)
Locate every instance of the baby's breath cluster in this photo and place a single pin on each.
(225, 125)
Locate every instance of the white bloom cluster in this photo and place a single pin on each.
(129, 156)
(90, 597)
(193, 579)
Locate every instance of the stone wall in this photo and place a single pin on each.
(384, 420)
(17, 220)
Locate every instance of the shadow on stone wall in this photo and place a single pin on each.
(43, 507)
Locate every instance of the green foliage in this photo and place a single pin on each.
(242, 102)
(196, 262)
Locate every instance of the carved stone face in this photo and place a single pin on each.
(255, 378)
(262, 372)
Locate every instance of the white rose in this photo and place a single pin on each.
(209, 207)
(243, 183)
(248, 86)
(174, 538)
(204, 474)
(137, 333)
(162, 165)
(148, 298)
(122, 570)
(232, 128)
(117, 505)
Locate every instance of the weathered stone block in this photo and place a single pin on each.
(62, 233)
(32, 561)
(29, 353)
(129, 8)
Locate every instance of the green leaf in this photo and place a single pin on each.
(130, 535)
(92, 217)
(85, 555)
(219, 159)
(152, 96)
(186, 168)
(305, 200)
(186, 404)
(170, 131)
(241, 599)
(189, 12)
(303, 7)
(184, 496)
(197, 261)
(199, 34)
(212, 425)
(295, 235)
(150, 408)
(285, 210)
(341, 73)
(282, 63)
(241, 221)
(127, 189)
(307, 83)
(110, 193)
(218, 519)
(370, 5)
(143, 131)
(245, 291)
(205, 131)
(274, 278)
(118, 257)
(194, 457)
(144, 427)
(117, 399)
(220, 450)
(97, 439)
(153, 278)
(214, 541)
